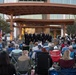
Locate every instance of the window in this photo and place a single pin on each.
(64, 1)
(56, 16)
(1, 1)
(32, 0)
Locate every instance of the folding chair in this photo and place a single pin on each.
(14, 57)
(43, 63)
(55, 55)
(66, 63)
(24, 67)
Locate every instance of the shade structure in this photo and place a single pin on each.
(43, 22)
(36, 8)
(16, 9)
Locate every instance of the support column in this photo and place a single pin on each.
(61, 32)
(64, 30)
(47, 16)
(24, 31)
(20, 31)
(54, 33)
(11, 27)
(47, 31)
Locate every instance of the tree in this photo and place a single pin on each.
(71, 29)
(4, 26)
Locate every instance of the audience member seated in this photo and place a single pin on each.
(1, 46)
(34, 50)
(64, 49)
(55, 54)
(6, 68)
(72, 53)
(46, 43)
(51, 46)
(66, 55)
(31, 45)
(35, 46)
(66, 61)
(40, 47)
(25, 47)
(10, 48)
(73, 47)
(16, 53)
(43, 62)
(40, 43)
(67, 64)
(23, 63)
(44, 50)
(20, 45)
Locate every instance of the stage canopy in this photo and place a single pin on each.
(36, 8)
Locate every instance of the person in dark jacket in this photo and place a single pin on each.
(6, 68)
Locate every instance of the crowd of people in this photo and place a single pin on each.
(18, 59)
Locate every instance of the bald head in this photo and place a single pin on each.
(70, 48)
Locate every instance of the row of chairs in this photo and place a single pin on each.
(42, 61)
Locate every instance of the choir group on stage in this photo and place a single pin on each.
(37, 37)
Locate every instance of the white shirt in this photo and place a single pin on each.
(15, 51)
(35, 48)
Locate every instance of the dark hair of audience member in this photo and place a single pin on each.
(75, 40)
(6, 68)
(4, 58)
(44, 50)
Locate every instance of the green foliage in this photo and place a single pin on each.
(71, 29)
(4, 26)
